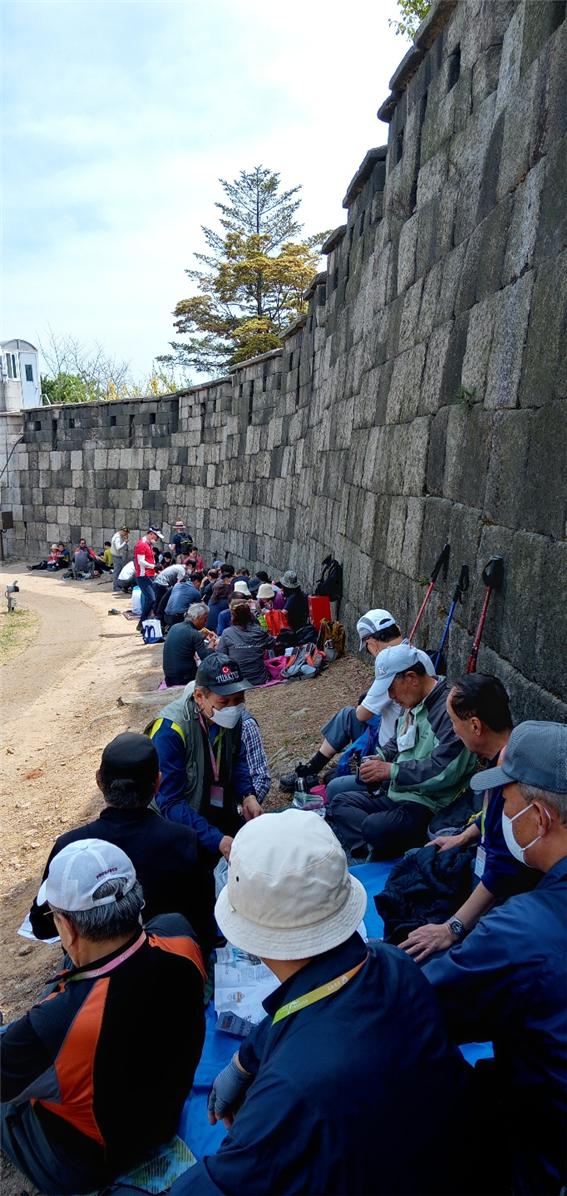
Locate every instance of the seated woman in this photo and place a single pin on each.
(221, 595)
(246, 642)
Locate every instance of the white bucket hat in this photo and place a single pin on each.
(289, 893)
(241, 587)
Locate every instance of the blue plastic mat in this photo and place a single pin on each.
(218, 1048)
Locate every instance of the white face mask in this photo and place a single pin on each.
(510, 839)
(406, 736)
(229, 716)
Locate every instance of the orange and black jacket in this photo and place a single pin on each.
(107, 1056)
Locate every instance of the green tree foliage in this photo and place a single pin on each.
(251, 279)
(65, 388)
(79, 374)
(412, 13)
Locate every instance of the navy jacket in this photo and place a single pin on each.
(507, 982)
(358, 1093)
(503, 876)
(170, 865)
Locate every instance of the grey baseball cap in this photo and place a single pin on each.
(372, 622)
(536, 754)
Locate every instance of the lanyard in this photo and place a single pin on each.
(485, 801)
(317, 994)
(113, 963)
(215, 762)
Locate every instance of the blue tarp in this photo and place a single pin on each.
(194, 1127)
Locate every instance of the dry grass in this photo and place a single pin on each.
(17, 630)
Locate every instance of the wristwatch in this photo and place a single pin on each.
(457, 929)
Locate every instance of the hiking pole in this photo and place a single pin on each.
(442, 562)
(460, 589)
(492, 576)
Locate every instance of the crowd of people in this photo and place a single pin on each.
(354, 1081)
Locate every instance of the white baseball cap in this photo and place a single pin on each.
(289, 893)
(373, 621)
(77, 871)
(392, 661)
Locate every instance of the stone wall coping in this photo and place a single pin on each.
(429, 29)
(295, 327)
(333, 239)
(190, 390)
(433, 23)
(242, 365)
(387, 107)
(407, 68)
(378, 154)
(174, 394)
(319, 281)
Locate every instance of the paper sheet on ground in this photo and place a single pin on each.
(26, 932)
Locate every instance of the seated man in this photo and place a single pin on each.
(183, 641)
(338, 1096)
(377, 629)
(422, 768)
(164, 581)
(127, 577)
(182, 594)
(507, 981)
(174, 873)
(83, 561)
(95, 1075)
(206, 782)
(103, 561)
(479, 710)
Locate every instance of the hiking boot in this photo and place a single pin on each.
(301, 779)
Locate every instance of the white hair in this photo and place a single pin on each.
(196, 611)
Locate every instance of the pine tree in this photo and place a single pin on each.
(251, 279)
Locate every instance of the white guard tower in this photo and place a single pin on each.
(20, 385)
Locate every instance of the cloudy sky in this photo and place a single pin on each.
(119, 117)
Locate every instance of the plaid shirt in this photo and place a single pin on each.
(255, 755)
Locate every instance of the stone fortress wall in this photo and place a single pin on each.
(421, 399)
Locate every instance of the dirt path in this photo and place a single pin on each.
(21, 680)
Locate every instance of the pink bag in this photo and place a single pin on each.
(274, 666)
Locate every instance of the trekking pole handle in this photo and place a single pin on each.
(442, 563)
(462, 584)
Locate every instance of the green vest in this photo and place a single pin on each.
(184, 717)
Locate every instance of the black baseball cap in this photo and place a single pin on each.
(221, 675)
(129, 757)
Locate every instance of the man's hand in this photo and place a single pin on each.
(446, 842)
(251, 807)
(374, 771)
(425, 940)
(225, 846)
(227, 1093)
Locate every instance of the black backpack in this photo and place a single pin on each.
(330, 584)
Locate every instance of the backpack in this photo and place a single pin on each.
(308, 661)
(331, 580)
(332, 639)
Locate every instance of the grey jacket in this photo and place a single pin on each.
(247, 646)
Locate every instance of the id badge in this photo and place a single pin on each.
(480, 862)
(217, 796)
